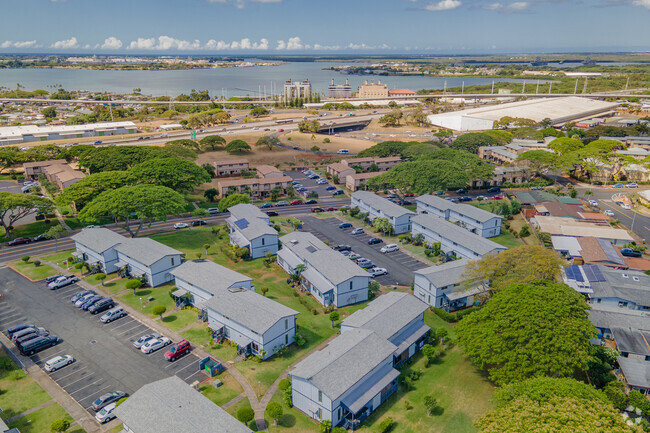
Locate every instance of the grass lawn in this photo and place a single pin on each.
(285, 223)
(225, 351)
(29, 230)
(58, 258)
(19, 391)
(33, 272)
(226, 392)
(40, 421)
(113, 285)
(507, 239)
(232, 410)
(179, 319)
(292, 419)
(140, 301)
(198, 334)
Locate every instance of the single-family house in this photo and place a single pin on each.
(258, 325)
(172, 406)
(397, 317)
(637, 374)
(198, 280)
(250, 228)
(472, 218)
(347, 380)
(447, 286)
(581, 228)
(148, 259)
(96, 246)
(452, 238)
(379, 207)
(329, 276)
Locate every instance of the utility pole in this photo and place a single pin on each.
(537, 88)
(523, 88)
(576, 88)
(445, 89)
(462, 89)
(627, 83)
(584, 89)
(492, 93)
(549, 87)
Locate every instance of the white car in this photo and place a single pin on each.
(106, 414)
(357, 231)
(321, 181)
(376, 272)
(57, 362)
(632, 185)
(155, 344)
(389, 248)
(609, 213)
(63, 281)
(626, 206)
(142, 340)
(181, 225)
(593, 203)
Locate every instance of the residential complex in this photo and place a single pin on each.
(340, 170)
(230, 167)
(256, 188)
(297, 90)
(268, 171)
(250, 228)
(372, 90)
(57, 171)
(379, 207)
(338, 91)
(34, 169)
(355, 181)
(96, 247)
(381, 164)
(328, 275)
(472, 218)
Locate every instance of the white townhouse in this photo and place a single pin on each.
(144, 257)
(447, 286)
(347, 380)
(259, 325)
(472, 218)
(452, 238)
(96, 246)
(198, 280)
(379, 207)
(397, 317)
(329, 276)
(249, 227)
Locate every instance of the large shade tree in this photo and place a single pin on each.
(529, 330)
(14, 207)
(85, 190)
(178, 174)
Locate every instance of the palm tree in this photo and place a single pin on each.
(295, 277)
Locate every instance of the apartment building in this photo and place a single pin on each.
(230, 167)
(259, 188)
(379, 207)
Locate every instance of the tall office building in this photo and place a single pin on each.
(297, 89)
(339, 90)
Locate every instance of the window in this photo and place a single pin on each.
(339, 413)
(286, 324)
(635, 278)
(262, 241)
(350, 285)
(172, 261)
(320, 398)
(286, 338)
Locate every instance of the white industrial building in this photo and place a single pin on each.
(29, 133)
(559, 110)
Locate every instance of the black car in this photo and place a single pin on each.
(461, 191)
(373, 241)
(272, 213)
(106, 399)
(19, 241)
(38, 344)
(101, 305)
(311, 202)
(465, 198)
(86, 305)
(494, 189)
(198, 223)
(11, 331)
(342, 248)
(48, 280)
(42, 237)
(629, 252)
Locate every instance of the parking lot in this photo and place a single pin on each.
(311, 184)
(400, 266)
(105, 357)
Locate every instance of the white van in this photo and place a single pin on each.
(113, 314)
(343, 151)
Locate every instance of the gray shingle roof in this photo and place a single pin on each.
(380, 203)
(172, 406)
(637, 372)
(632, 340)
(208, 275)
(145, 250)
(446, 274)
(614, 317)
(635, 287)
(436, 202)
(470, 211)
(254, 222)
(252, 310)
(98, 239)
(388, 314)
(344, 361)
(462, 237)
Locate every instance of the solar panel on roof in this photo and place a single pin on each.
(569, 272)
(598, 276)
(311, 249)
(242, 223)
(577, 275)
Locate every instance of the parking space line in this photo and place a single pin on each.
(188, 365)
(85, 375)
(122, 323)
(93, 397)
(137, 331)
(52, 355)
(90, 384)
(176, 364)
(137, 325)
(58, 379)
(196, 372)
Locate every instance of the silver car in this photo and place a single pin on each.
(142, 340)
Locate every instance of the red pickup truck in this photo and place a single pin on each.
(177, 350)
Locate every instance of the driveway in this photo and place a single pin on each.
(105, 357)
(400, 266)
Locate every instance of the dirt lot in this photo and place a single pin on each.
(304, 141)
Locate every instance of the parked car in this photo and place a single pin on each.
(465, 198)
(37, 344)
(440, 193)
(143, 339)
(181, 226)
(177, 350)
(106, 399)
(497, 197)
(345, 225)
(461, 191)
(98, 142)
(366, 265)
(376, 272)
(312, 201)
(113, 314)
(102, 305)
(593, 203)
(296, 202)
(19, 241)
(317, 210)
(494, 189)
(410, 194)
(343, 151)
(330, 188)
(338, 192)
(66, 280)
(197, 223)
(281, 203)
(373, 241)
(76, 296)
(41, 237)
(342, 248)
(31, 335)
(31, 330)
(214, 211)
(618, 185)
(11, 331)
(354, 256)
(626, 206)
(106, 413)
(57, 362)
(346, 253)
(84, 299)
(265, 205)
(357, 231)
(632, 185)
(392, 195)
(389, 248)
(609, 213)
(321, 181)
(48, 280)
(272, 213)
(629, 252)
(155, 344)
(28, 329)
(90, 302)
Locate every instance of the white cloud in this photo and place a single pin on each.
(518, 6)
(66, 44)
(164, 43)
(443, 5)
(243, 44)
(511, 7)
(644, 3)
(142, 44)
(294, 43)
(112, 43)
(18, 44)
(493, 6)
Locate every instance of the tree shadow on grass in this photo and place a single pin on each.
(288, 420)
(170, 318)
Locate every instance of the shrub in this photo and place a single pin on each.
(284, 384)
(37, 263)
(315, 148)
(60, 425)
(385, 425)
(25, 259)
(245, 414)
(524, 232)
(158, 310)
(288, 397)
(326, 140)
(300, 340)
(242, 253)
(274, 410)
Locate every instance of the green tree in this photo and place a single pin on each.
(178, 174)
(430, 404)
(325, 426)
(49, 113)
(540, 161)
(383, 225)
(245, 414)
(232, 200)
(210, 193)
(85, 190)
(158, 310)
(334, 316)
(133, 205)
(14, 207)
(529, 330)
(237, 147)
(386, 148)
(542, 389)
(100, 277)
(133, 284)
(55, 233)
(471, 141)
(259, 111)
(264, 290)
(117, 158)
(60, 425)
(616, 395)
(212, 142)
(394, 118)
(274, 410)
(267, 140)
(309, 126)
(284, 384)
(209, 168)
(522, 264)
(564, 145)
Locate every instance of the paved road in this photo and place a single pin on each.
(106, 358)
(399, 265)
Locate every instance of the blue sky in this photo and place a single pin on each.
(322, 26)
